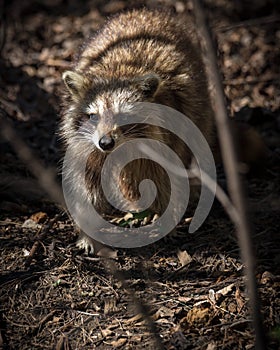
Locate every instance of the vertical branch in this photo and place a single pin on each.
(46, 177)
(141, 307)
(231, 168)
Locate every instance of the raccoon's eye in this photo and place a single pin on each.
(93, 117)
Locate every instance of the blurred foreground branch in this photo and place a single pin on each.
(47, 180)
(46, 177)
(231, 168)
(141, 307)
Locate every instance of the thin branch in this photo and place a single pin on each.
(194, 172)
(43, 234)
(3, 26)
(249, 23)
(142, 308)
(231, 168)
(46, 177)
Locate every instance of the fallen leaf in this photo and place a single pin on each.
(39, 217)
(226, 290)
(239, 300)
(267, 277)
(163, 312)
(118, 343)
(184, 257)
(211, 346)
(30, 224)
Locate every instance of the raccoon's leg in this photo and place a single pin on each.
(91, 246)
(87, 243)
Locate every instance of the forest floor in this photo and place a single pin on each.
(188, 292)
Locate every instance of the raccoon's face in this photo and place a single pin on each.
(97, 102)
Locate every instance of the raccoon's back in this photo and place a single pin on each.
(141, 41)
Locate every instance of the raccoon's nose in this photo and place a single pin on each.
(106, 142)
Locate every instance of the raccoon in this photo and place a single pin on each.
(138, 56)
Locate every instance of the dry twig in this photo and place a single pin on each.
(46, 177)
(35, 246)
(250, 22)
(231, 168)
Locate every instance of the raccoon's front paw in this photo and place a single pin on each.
(86, 243)
(93, 247)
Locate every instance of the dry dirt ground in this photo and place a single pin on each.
(186, 292)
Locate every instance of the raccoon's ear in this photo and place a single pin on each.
(149, 84)
(74, 82)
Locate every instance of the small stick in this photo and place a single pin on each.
(249, 23)
(35, 246)
(231, 168)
